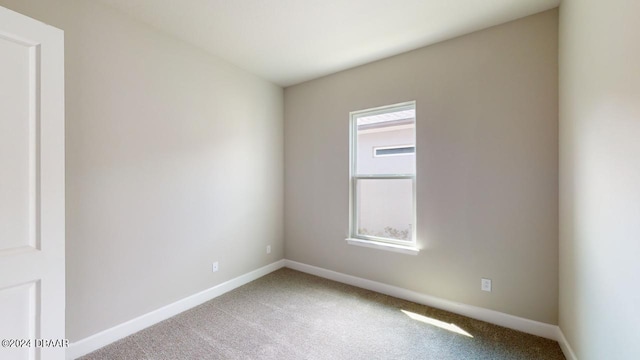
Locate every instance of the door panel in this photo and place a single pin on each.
(18, 306)
(17, 218)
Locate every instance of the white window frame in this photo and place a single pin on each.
(403, 246)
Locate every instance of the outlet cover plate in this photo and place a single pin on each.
(485, 284)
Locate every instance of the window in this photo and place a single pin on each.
(383, 176)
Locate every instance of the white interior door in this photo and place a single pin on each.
(32, 285)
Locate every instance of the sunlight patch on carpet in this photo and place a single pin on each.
(441, 324)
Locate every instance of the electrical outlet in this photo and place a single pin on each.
(485, 284)
(214, 268)
(268, 249)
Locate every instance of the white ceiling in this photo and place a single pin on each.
(291, 41)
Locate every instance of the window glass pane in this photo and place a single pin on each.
(387, 134)
(385, 208)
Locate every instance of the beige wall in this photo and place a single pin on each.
(174, 160)
(487, 108)
(600, 178)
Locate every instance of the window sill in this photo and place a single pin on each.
(403, 249)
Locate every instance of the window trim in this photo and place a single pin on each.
(367, 240)
(403, 249)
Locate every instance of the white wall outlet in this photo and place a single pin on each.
(268, 249)
(485, 284)
(214, 268)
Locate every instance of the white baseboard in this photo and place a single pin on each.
(94, 342)
(491, 316)
(564, 345)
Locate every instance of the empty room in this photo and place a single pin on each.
(304, 179)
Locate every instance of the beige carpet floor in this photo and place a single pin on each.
(292, 315)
